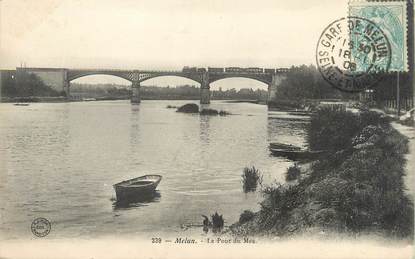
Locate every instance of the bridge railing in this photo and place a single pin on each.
(223, 70)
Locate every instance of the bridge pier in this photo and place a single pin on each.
(66, 89)
(204, 95)
(273, 86)
(205, 89)
(66, 84)
(135, 92)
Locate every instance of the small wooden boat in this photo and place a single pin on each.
(136, 188)
(21, 104)
(301, 154)
(276, 145)
(293, 152)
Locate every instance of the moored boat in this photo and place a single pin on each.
(296, 154)
(277, 145)
(137, 188)
(293, 152)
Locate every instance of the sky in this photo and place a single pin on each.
(162, 34)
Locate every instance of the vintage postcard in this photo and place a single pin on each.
(207, 129)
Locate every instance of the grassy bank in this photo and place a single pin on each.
(356, 189)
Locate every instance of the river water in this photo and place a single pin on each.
(60, 160)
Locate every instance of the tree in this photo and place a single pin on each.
(24, 84)
(306, 82)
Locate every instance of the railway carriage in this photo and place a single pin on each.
(269, 70)
(234, 70)
(215, 69)
(254, 70)
(187, 69)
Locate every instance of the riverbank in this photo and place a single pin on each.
(358, 189)
(34, 99)
(59, 99)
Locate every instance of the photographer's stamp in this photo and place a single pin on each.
(40, 227)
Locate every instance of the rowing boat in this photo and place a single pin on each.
(137, 187)
(296, 154)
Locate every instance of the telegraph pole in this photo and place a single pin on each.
(411, 48)
(412, 38)
(398, 95)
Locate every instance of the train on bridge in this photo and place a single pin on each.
(249, 70)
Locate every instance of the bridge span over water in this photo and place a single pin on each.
(60, 78)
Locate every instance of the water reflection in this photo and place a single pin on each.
(135, 108)
(204, 129)
(137, 202)
(135, 126)
(286, 128)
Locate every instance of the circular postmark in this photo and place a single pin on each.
(353, 54)
(40, 227)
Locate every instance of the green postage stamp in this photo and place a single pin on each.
(391, 18)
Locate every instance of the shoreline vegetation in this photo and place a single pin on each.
(194, 108)
(251, 177)
(356, 190)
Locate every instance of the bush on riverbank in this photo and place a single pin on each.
(293, 172)
(332, 128)
(246, 216)
(250, 179)
(357, 188)
(217, 222)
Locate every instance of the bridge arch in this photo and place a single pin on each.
(74, 76)
(261, 79)
(193, 78)
(101, 79)
(97, 85)
(263, 84)
(169, 79)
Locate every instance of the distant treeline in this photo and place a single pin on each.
(100, 90)
(241, 94)
(193, 92)
(306, 82)
(170, 93)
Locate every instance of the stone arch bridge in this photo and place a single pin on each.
(59, 78)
